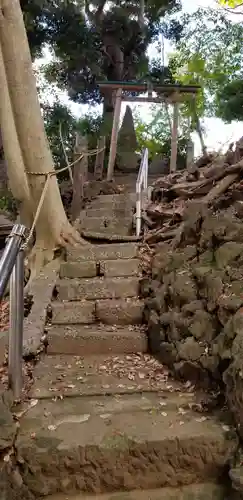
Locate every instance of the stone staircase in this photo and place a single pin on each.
(109, 214)
(98, 310)
(106, 419)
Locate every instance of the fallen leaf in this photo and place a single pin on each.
(201, 419)
(51, 427)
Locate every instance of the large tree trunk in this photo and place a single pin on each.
(200, 134)
(16, 171)
(52, 228)
(115, 58)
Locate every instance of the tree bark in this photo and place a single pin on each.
(100, 158)
(80, 174)
(52, 228)
(17, 177)
(174, 138)
(200, 134)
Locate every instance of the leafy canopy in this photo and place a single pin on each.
(210, 52)
(89, 39)
(231, 3)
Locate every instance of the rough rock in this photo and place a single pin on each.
(233, 379)
(7, 424)
(190, 350)
(194, 299)
(203, 326)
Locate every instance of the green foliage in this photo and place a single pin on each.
(58, 116)
(230, 3)
(86, 37)
(55, 116)
(230, 101)
(90, 126)
(8, 204)
(209, 53)
(156, 135)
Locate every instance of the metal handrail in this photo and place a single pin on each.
(142, 183)
(12, 268)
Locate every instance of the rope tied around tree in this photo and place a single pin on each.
(48, 176)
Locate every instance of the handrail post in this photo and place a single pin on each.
(138, 209)
(14, 242)
(16, 325)
(142, 181)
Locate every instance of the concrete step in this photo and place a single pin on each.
(99, 253)
(87, 269)
(109, 268)
(73, 313)
(97, 288)
(97, 446)
(69, 376)
(119, 312)
(204, 491)
(83, 340)
(104, 212)
(116, 268)
(108, 224)
(113, 200)
(108, 311)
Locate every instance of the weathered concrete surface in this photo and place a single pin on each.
(73, 376)
(101, 211)
(206, 491)
(98, 288)
(120, 312)
(109, 215)
(95, 339)
(120, 268)
(113, 201)
(78, 269)
(93, 454)
(41, 289)
(55, 408)
(103, 252)
(118, 225)
(82, 312)
(108, 268)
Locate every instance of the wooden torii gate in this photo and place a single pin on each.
(170, 94)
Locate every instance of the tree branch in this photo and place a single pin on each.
(100, 11)
(87, 10)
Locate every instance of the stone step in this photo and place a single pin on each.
(118, 225)
(103, 212)
(83, 340)
(203, 491)
(73, 313)
(113, 200)
(179, 402)
(113, 268)
(91, 269)
(69, 376)
(107, 311)
(71, 270)
(73, 448)
(97, 288)
(119, 312)
(99, 253)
